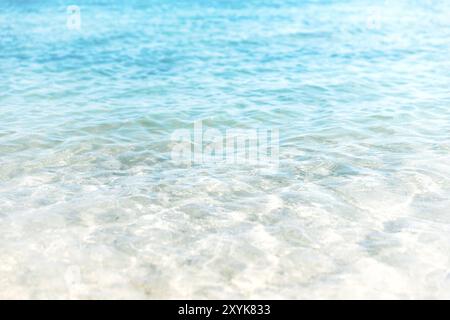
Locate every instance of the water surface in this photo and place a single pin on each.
(91, 205)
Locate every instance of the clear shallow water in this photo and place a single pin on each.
(91, 206)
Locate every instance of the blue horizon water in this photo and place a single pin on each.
(91, 205)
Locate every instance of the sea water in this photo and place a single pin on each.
(92, 204)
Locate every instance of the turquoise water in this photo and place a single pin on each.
(92, 205)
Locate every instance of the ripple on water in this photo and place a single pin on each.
(92, 207)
